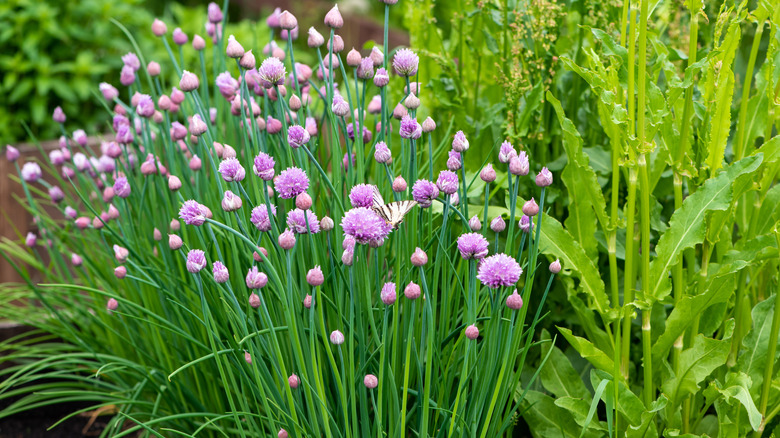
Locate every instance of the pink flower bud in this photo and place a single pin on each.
(412, 102)
(337, 44)
(11, 153)
(59, 115)
(530, 208)
(326, 224)
(189, 81)
(399, 112)
(472, 332)
(120, 272)
(474, 223)
(157, 235)
(544, 178)
(315, 38)
(174, 183)
(198, 43)
(294, 381)
(488, 174)
(497, 224)
(153, 69)
(336, 337)
(112, 305)
(234, 48)
(174, 242)
(555, 267)
(256, 256)
(412, 291)
(514, 301)
(195, 163)
(419, 257)
(399, 184)
(307, 301)
(231, 202)
(287, 240)
(82, 222)
(353, 58)
(254, 300)
(97, 223)
(295, 103)
(287, 21)
(303, 201)
(76, 260)
(388, 294)
(121, 253)
(282, 434)
(370, 381)
(377, 57)
(333, 18)
(159, 28)
(174, 225)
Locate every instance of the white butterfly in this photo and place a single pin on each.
(394, 212)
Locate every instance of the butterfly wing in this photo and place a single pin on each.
(394, 212)
(379, 202)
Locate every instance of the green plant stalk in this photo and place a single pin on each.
(628, 268)
(428, 317)
(649, 389)
(631, 73)
(770, 363)
(405, 399)
(739, 145)
(677, 275)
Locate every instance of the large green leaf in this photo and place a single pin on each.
(687, 226)
(545, 419)
(769, 213)
(696, 363)
(738, 388)
(720, 123)
(718, 290)
(559, 376)
(587, 350)
(753, 360)
(559, 243)
(585, 195)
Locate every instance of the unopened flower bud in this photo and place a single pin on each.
(399, 184)
(419, 257)
(514, 301)
(488, 174)
(233, 49)
(120, 272)
(159, 28)
(333, 18)
(307, 301)
(370, 381)
(315, 276)
(254, 300)
(544, 178)
(336, 337)
(497, 224)
(555, 267)
(326, 224)
(412, 291)
(294, 381)
(287, 21)
(174, 242)
(472, 332)
(287, 240)
(530, 208)
(112, 304)
(475, 224)
(303, 201)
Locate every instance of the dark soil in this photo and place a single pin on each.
(35, 423)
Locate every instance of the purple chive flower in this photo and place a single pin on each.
(382, 153)
(260, 217)
(291, 183)
(230, 201)
(472, 246)
(192, 213)
(544, 178)
(271, 72)
(287, 239)
(454, 162)
(525, 224)
(228, 87)
(460, 143)
(196, 260)
(127, 76)
(145, 107)
(71, 212)
(30, 240)
(56, 194)
(506, 152)
(447, 182)
(366, 69)
(220, 272)
(31, 172)
(108, 91)
(214, 13)
(340, 107)
(388, 294)
(410, 128)
(80, 137)
(518, 164)
(131, 60)
(297, 136)
(499, 270)
(122, 187)
(264, 166)
(231, 170)
(364, 225)
(424, 192)
(11, 153)
(351, 132)
(381, 77)
(296, 221)
(256, 279)
(405, 62)
(59, 115)
(124, 134)
(362, 195)
(179, 37)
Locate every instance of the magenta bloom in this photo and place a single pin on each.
(122, 187)
(447, 182)
(460, 143)
(131, 60)
(518, 164)
(296, 221)
(499, 270)
(366, 69)
(264, 166)
(364, 225)
(506, 152)
(424, 192)
(127, 76)
(388, 294)
(381, 77)
(231, 170)
(271, 72)
(410, 128)
(405, 62)
(260, 217)
(196, 260)
(256, 279)
(228, 87)
(220, 271)
(291, 183)
(192, 213)
(472, 246)
(145, 107)
(382, 153)
(31, 172)
(214, 13)
(454, 162)
(362, 195)
(297, 136)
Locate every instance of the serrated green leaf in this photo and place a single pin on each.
(687, 225)
(718, 290)
(720, 123)
(696, 363)
(738, 388)
(587, 350)
(560, 378)
(769, 213)
(544, 418)
(753, 360)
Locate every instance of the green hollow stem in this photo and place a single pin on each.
(739, 145)
(649, 389)
(628, 269)
(428, 320)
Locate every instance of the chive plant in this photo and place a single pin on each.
(225, 265)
